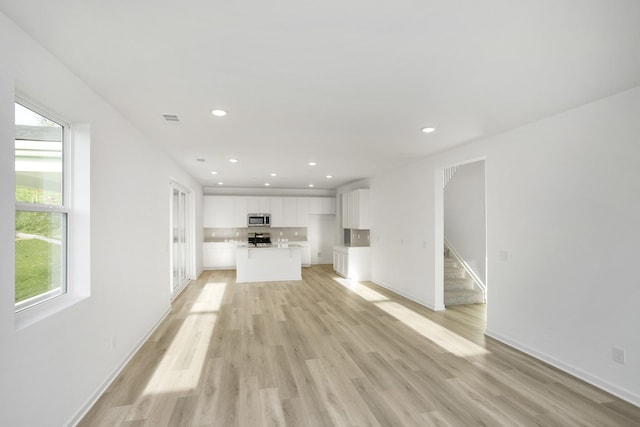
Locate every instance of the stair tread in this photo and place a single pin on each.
(457, 283)
(462, 292)
(463, 296)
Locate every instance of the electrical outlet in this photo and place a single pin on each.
(619, 355)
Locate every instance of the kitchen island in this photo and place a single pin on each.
(268, 264)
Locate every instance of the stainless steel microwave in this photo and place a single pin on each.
(258, 220)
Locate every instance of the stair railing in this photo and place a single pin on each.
(448, 174)
(476, 279)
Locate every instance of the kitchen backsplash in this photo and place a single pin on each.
(241, 234)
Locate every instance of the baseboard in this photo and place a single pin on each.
(181, 290)
(409, 297)
(623, 394)
(84, 409)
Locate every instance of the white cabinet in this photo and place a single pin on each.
(259, 205)
(295, 212)
(224, 211)
(219, 255)
(240, 211)
(277, 212)
(322, 205)
(218, 211)
(352, 263)
(355, 210)
(289, 212)
(340, 260)
(231, 211)
(302, 212)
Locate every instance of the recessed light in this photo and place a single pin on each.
(219, 113)
(312, 163)
(201, 160)
(266, 184)
(310, 185)
(233, 160)
(221, 183)
(273, 174)
(329, 176)
(214, 173)
(428, 129)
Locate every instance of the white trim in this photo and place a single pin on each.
(180, 290)
(622, 393)
(86, 407)
(409, 297)
(438, 240)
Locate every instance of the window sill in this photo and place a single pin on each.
(33, 315)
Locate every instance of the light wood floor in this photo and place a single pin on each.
(324, 352)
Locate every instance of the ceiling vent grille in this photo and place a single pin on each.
(171, 117)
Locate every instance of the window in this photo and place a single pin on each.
(41, 207)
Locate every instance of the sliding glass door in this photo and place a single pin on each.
(180, 237)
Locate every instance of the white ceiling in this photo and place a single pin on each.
(347, 84)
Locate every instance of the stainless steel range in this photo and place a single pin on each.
(260, 240)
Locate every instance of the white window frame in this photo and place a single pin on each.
(77, 207)
(63, 208)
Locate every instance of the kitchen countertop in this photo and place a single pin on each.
(273, 246)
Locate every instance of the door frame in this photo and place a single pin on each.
(189, 236)
(438, 240)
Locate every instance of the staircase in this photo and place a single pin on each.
(458, 288)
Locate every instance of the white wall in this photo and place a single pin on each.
(50, 369)
(464, 216)
(321, 237)
(563, 206)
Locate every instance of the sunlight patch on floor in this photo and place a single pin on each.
(181, 367)
(361, 290)
(440, 335)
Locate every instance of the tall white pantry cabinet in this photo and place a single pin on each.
(354, 262)
(355, 210)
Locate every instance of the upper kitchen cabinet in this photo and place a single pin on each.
(259, 205)
(231, 211)
(302, 211)
(295, 212)
(322, 205)
(225, 211)
(355, 210)
(289, 212)
(240, 211)
(218, 211)
(277, 212)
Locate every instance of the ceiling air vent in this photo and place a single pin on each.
(171, 117)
